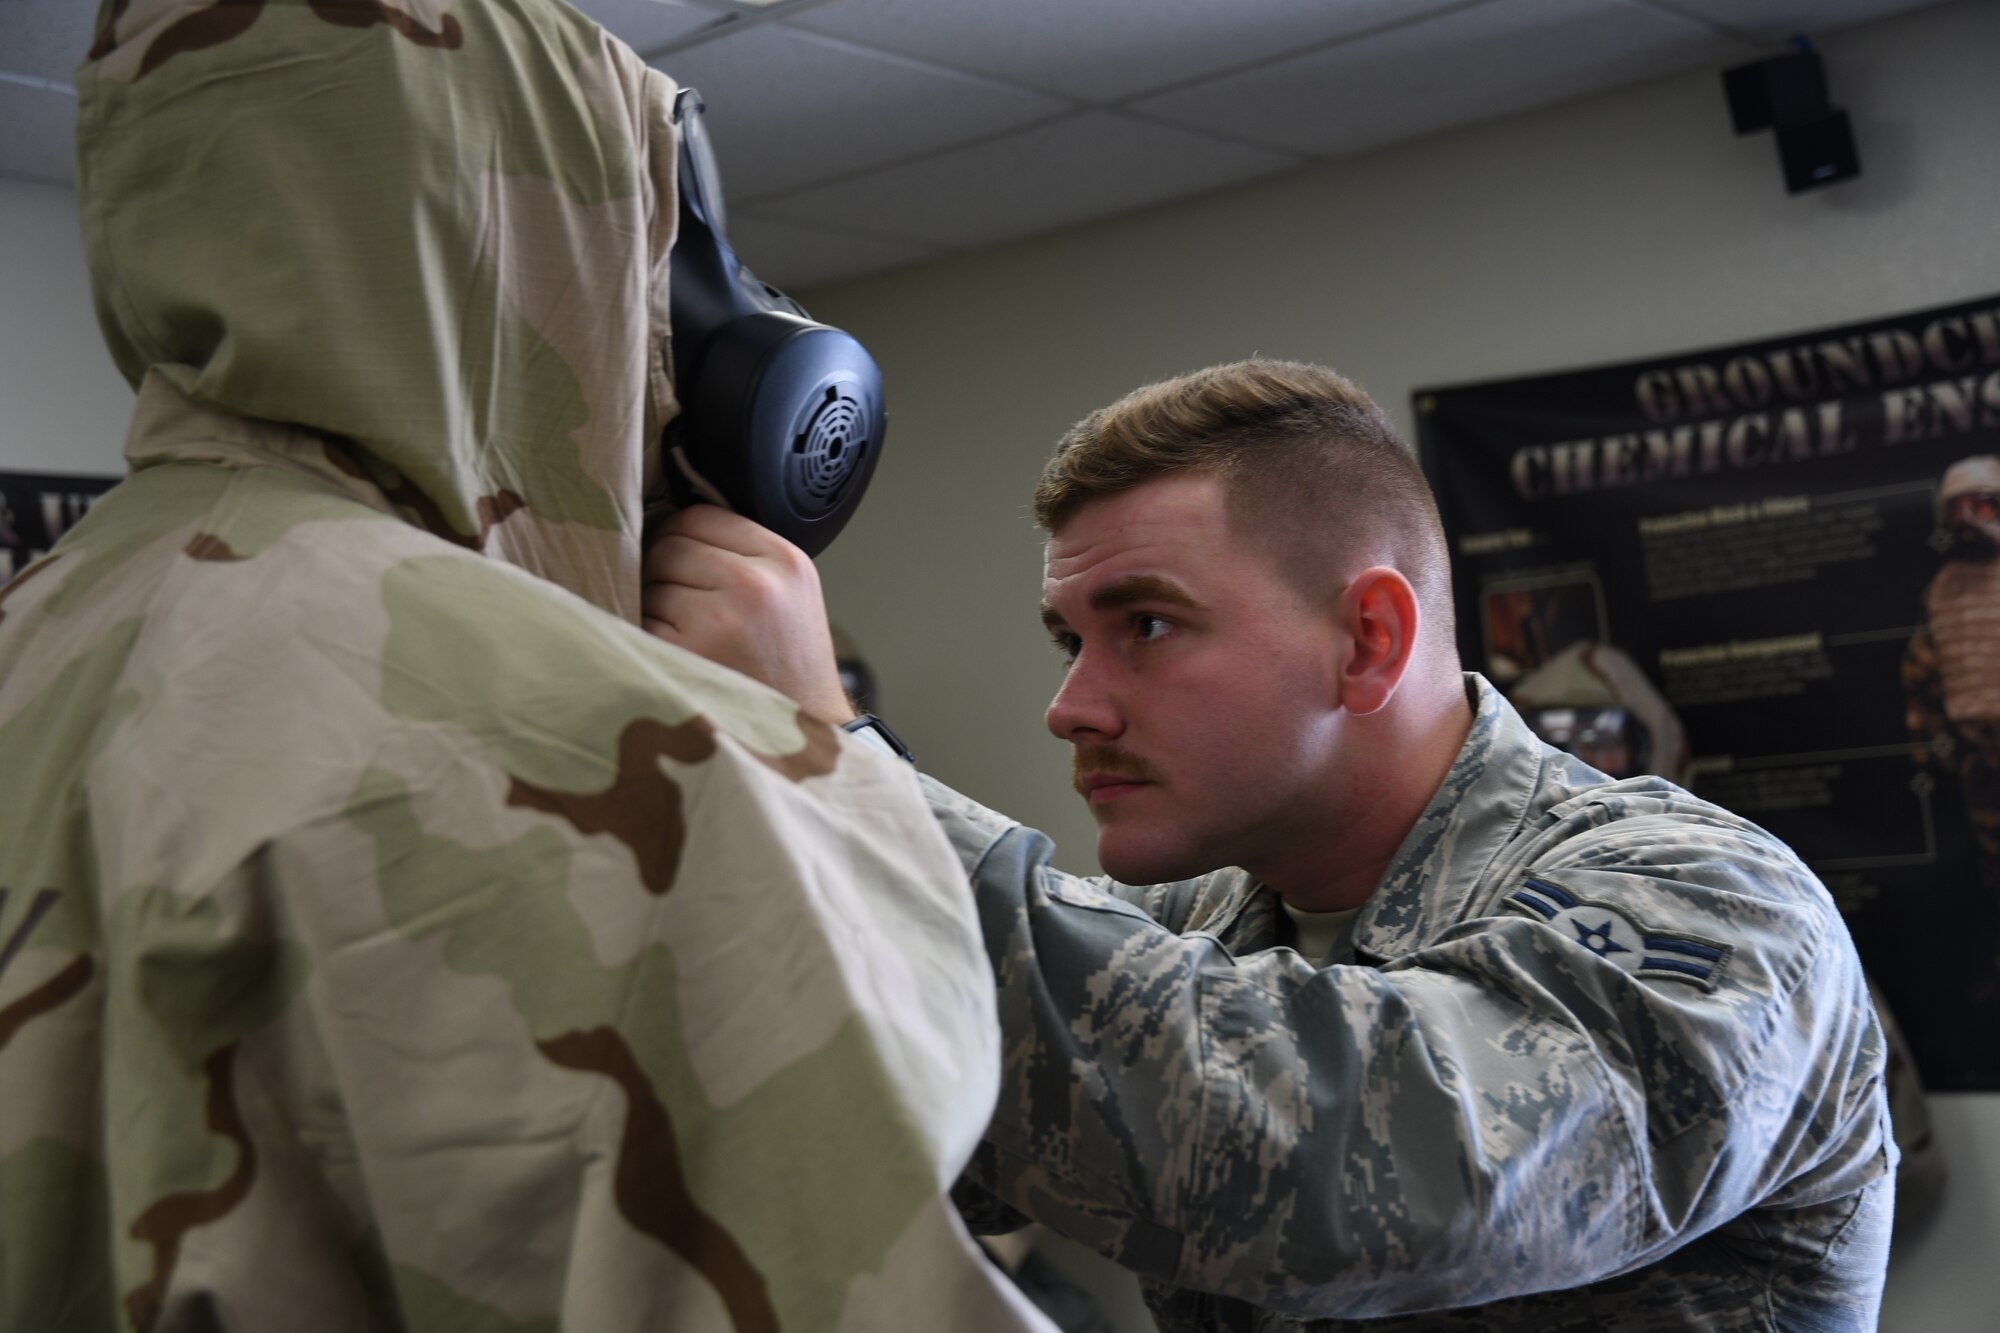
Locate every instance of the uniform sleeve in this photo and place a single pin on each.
(1501, 1112)
(744, 980)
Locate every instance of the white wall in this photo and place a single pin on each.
(1617, 227)
(63, 405)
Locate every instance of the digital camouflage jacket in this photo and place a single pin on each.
(1595, 1056)
(393, 936)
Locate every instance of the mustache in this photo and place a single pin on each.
(1109, 761)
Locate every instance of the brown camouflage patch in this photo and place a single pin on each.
(51, 994)
(491, 509)
(494, 509)
(167, 1222)
(7, 588)
(366, 13)
(651, 1188)
(815, 759)
(209, 547)
(642, 806)
(107, 32)
(220, 22)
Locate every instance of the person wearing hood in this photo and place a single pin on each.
(393, 935)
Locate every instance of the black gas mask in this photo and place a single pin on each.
(1972, 518)
(781, 418)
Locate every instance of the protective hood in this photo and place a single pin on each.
(1978, 474)
(432, 234)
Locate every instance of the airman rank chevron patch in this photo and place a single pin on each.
(1615, 937)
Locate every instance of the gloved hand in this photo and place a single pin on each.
(736, 593)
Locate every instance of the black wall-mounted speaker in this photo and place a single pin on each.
(1784, 90)
(1818, 152)
(1787, 94)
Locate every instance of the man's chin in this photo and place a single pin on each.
(1130, 864)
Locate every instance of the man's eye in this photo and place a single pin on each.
(1150, 627)
(1067, 645)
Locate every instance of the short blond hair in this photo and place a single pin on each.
(1314, 469)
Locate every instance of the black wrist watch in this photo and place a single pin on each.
(876, 732)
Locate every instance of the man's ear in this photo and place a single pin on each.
(1378, 613)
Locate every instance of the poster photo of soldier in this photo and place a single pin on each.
(1793, 546)
(1951, 672)
(1528, 621)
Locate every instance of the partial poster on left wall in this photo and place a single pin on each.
(37, 508)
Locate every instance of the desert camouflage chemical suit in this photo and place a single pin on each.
(394, 936)
(1595, 1056)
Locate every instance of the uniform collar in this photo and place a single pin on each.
(1475, 812)
(170, 427)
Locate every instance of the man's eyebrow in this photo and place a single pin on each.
(1140, 588)
(1133, 591)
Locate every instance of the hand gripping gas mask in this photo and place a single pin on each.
(781, 418)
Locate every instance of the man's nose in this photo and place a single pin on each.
(1084, 707)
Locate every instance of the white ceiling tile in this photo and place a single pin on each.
(1103, 50)
(39, 142)
(1471, 65)
(791, 257)
(647, 25)
(786, 110)
(963, 128)
(45, 38)
(1084, 166)
(1776, 20)
(48, 38)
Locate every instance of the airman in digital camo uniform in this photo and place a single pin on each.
(1393, 1016)
(392, 934)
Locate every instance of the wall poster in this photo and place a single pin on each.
(36, 508)
(1798, 542)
